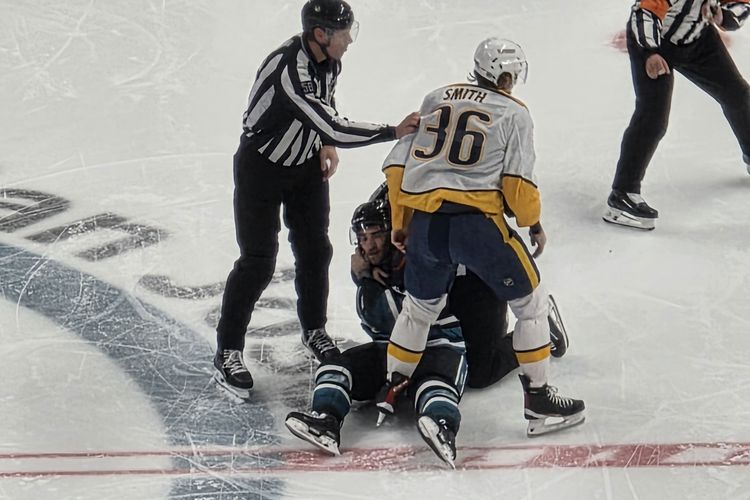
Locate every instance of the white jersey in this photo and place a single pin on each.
(473, 146)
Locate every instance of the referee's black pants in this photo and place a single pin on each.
(706, 63)
(261, 188)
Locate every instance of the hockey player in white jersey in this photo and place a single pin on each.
(470, 162)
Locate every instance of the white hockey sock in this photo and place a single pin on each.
(409, 336)
(531, 335)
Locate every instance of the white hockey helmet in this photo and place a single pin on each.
(495, 56)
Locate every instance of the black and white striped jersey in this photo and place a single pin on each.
(680, 21)
(291, 109)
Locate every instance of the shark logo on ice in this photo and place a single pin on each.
(143, 341)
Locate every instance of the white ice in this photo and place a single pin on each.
(134, 108)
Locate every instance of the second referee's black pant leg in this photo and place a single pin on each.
(712, 69)
(647, 125)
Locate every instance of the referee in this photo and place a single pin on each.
(680, 35)
(286, 154)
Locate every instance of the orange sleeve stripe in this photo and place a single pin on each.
(658, 7)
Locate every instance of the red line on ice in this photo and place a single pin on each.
(284, 460)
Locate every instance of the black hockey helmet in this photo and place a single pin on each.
(376, 212)
(327, 14)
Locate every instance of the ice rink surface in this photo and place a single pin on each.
(119, 122)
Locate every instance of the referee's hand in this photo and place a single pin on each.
(656, 66)
(408, 125)
(329, 161)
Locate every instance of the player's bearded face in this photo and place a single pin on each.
(373, 241)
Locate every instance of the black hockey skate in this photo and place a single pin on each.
(439, 437)
(232, 374)
(319, 344)
(558, 335)
(322, 430)
(747, 162)
(629, 209)
(541, 403)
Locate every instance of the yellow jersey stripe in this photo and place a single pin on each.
(489, 202)
(522, 197)
(519, 249)
(400, 216)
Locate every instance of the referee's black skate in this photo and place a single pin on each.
(319, 344)
(541, 403)
(322, 430)
(232, 374)
(439, 437)
(629, 209)
(558, 335)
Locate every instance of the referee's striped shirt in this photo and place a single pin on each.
(680, 21)
(291, 109)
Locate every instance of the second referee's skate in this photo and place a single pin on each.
(629, 209)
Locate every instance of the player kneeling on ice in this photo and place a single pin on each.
(449, 184)
(359, 372)
(377, 269)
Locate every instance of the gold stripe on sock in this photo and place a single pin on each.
(532, 356)
(403, 355)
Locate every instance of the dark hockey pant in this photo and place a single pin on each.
(486, 245)
(484, 325)
(706, 63)
(360, 372)
(482, 317)
(261, 189)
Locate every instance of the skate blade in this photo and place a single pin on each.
(614, 216)
(302, 431)
(540, 426)
(557, 329)
(238, 392)
(429, 430)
